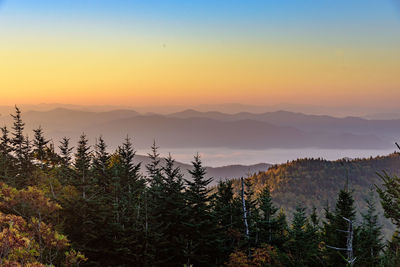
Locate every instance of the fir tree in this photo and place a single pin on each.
(227, 213)
(82, 165)
(172, 209)
(17, 140)
(268, 224)
(154, 236)
(39, 146)
(100, 166)
(19, 146)
(66, 151)
(369, 236)
(389, 194)
(6, 159)
(65, 172)
(252, 213)
(334, 226)
(302, 244)
(200, 227)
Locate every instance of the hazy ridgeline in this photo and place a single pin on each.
(117, 212)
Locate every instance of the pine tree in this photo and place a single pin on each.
(66, 151)
(200, 231)
(64, 172)
(302, 245)
(391, 255)
(334, 226)
(19, 146)
(252, 213)
(154, 236)
(389, 194)
(369, 236)
(126, 224)
(6, 159)
(82, 165)
(268, 224)
(281, 229)
(39, 146)
(17, 140)
(227, 213)
(172, 209)
(100, 166)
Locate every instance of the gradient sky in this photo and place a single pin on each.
(192, 52)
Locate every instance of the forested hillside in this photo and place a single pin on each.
(315, 182)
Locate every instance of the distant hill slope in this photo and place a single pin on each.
(306, 122)
(316, 182)
(217, 173)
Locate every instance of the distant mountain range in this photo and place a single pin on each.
(193, 129)
(217, 173)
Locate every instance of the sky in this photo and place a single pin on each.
(158, 52)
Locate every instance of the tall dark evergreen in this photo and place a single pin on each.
(127, 222)
(268, 224)
(39, 146)
(19, 146)
(65, 151)
(100, 165)
(252, 213)
(82, 166)
(370, 239)
(303, 242)
(153, 196)
(172, 221)
(335, 226)
(18, 138)
(64, 171)
(227, 212)
(389, 194)
(6, 158)
(200, 232)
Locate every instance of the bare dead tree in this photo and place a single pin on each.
(244, 211)
(349, 243)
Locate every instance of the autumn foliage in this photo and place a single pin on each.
(26, 238)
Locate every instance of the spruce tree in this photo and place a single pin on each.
(17, 140)
(39, 146)
(389, 194)
(65, 172)
(302, 244)
(252, 213)
(370, 243)
(100, 166)
(268, 224)
(19, 146)
(154, 236)
(334, 226)
(200, 227)
(172, 209)
(82, 165)
(6, 159)
(65, 151)
(127, 223)
(227, 213)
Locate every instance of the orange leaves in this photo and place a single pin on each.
(74, 258)
(26, 238)
(16, 241)
(264, 256)
(26, 202)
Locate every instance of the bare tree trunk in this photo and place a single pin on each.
(350, 234)
(244, 211)
(349, 243)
